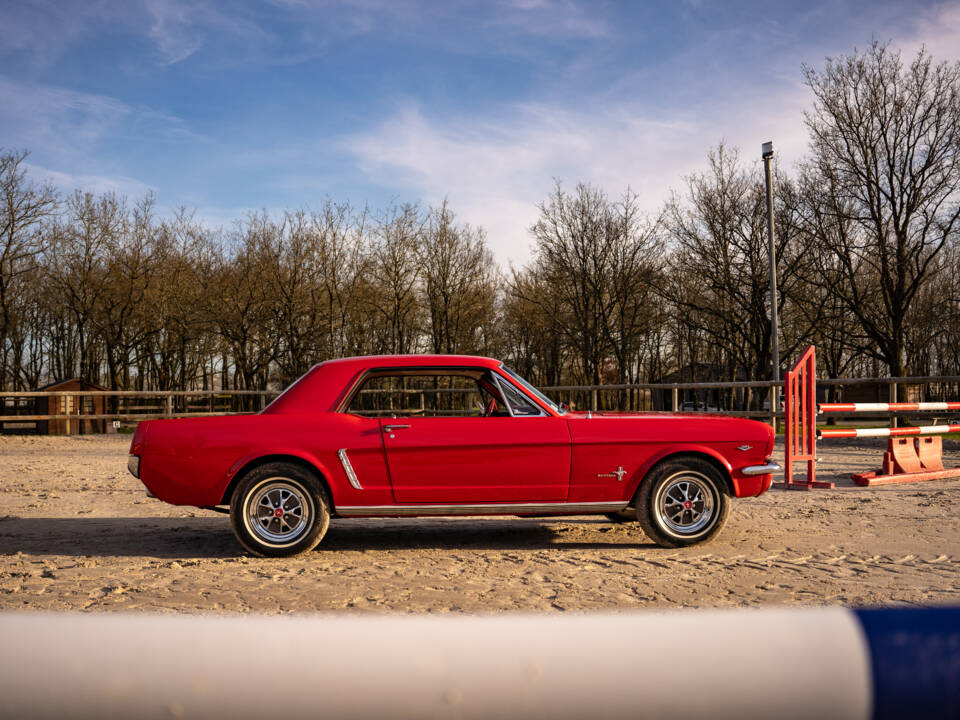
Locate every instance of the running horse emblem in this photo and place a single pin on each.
(618, 474)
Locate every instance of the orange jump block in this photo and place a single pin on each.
(909, 460)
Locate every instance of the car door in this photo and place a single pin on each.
(478, 460)
(443, 452)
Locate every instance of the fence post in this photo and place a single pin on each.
(263, 401)
(773, 411)
(674, 398)
(894, 420)
(593, 399)
(168, 405)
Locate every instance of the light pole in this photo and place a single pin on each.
(767, 149)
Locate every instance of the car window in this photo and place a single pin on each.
(520, 405)
(533, 390)
(427, 395)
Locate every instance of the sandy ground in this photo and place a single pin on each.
(78, 533)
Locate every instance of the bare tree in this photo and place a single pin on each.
(635, 270)
(885, 139)
(342, 264)
(824, 225)
(572, 255)
(24, 206)
(532, 317)
(180, 348)
(459, 283)
(78, 268)
(130, 269)
(394, 263)
(719, 270)
(239, 309)
(595, 262)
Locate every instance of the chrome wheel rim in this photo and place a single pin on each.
(278, 511)
(686, 503)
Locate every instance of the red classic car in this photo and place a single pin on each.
(447, 435)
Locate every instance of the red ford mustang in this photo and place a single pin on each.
(447, 435)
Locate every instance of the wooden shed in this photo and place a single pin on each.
(78, 405)
(876, 392)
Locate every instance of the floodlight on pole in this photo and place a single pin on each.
(767, 154)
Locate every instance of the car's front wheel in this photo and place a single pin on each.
(623, 516)
(682, 502)
(280, 509)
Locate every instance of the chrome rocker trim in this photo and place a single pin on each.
(485, 509)
(348, 469)
(770, 467)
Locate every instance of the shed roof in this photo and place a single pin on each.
(70, 384)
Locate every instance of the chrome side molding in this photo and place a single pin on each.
(770, 467)
(562, 508)
(348, 469)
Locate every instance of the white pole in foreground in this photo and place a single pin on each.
(742, 664)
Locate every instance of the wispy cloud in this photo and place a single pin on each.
(61, 121)
(496, 169)
(68, 123)
(937, 29)
(175, 30)
(73, 136)
(43, 30)
(96, 184)
(550, 18)
(180, 28)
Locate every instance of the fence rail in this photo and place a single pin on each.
(749, 398)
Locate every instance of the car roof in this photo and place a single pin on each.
(376, 361)
(324, 385)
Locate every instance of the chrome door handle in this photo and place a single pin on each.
(391, 428)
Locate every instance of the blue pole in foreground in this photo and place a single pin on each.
(915, 657)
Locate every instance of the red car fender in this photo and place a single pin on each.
(664, 452)
(273, 451)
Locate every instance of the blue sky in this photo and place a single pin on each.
(231, 107)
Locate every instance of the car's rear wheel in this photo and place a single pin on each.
(682, 502)
(280, 509)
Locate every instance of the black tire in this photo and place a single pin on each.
(682, 501)
(623, 516)
(276, 491)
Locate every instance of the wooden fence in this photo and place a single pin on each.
(742, 398)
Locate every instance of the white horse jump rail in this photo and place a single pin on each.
(827, 433)
(887, 407)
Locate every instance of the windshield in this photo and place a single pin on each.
(533, 391)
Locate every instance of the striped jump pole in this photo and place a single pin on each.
(887, 407)
(920, 458)
(903, 461)
(747, 663)
(826, 433)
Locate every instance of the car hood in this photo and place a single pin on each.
(665, 426)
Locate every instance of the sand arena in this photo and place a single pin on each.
(78, 533)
